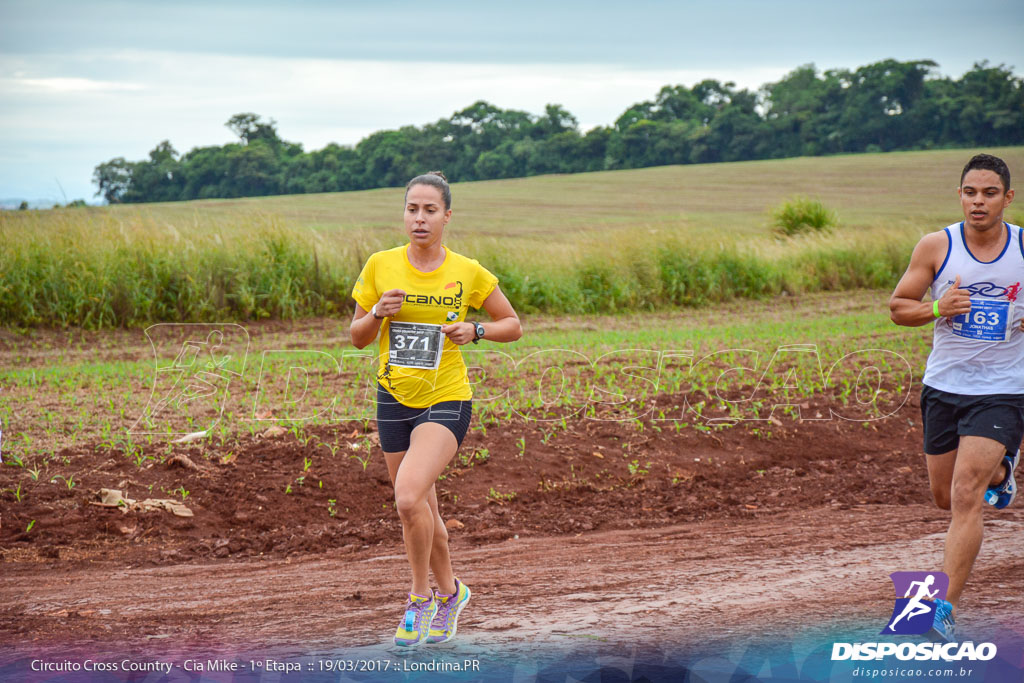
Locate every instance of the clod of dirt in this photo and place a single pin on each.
(112, 498)
(184, 461)
(174, 507)
(274, 432)
(453, 524)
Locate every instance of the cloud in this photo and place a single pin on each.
(67, 117)
(81, 83)
(65, 85)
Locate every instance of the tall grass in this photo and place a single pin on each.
(604, 242)
(802, 214)
(648, 274)
(97, 269)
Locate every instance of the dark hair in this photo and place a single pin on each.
(987, 162)
(434, 179)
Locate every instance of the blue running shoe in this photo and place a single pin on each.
(1003, 494)
(943, 628)
(448, 609)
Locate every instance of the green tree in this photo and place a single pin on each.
(205, 170)
(593, 149)
(880, 106)
(250, 127)
(159, 179)
(113, 179)
(494, 164)
(387, 158)
(253, 171)
(558, 153)
(555, 121)
(991, 101)
(879, 102)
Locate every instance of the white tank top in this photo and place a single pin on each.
(969, 366)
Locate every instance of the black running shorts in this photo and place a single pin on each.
(947, 417)
(395, 421)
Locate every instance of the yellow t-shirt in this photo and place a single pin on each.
(440, 297)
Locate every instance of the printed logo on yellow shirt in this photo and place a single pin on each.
(443, 301)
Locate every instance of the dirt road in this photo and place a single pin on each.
(695, 587)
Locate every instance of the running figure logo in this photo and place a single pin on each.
(195, 363)
(914, 613)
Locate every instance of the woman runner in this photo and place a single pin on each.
(417, 296)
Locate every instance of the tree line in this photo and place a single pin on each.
(887, 105)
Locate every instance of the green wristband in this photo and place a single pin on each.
(935, 308)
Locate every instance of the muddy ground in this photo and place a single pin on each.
(820, 511)
(617, 532)
(258, 498)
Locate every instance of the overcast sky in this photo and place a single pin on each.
(82, 82)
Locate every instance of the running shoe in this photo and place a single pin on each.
(448, 609)
(1001, 495)
(943, 628)
(415, 625)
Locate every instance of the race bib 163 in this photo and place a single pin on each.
(988, 320)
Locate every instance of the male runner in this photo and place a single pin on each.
(972, 402)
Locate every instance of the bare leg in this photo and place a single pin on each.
(413, 473)
(940, 477)
(440, 560)
(977, 465)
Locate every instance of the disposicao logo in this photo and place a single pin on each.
(914, 613)
(921, 652)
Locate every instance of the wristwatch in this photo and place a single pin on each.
(373, 312)
(479, 332)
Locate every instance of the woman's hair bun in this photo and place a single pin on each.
(434, 179)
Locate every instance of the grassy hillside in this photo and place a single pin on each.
(594, 242)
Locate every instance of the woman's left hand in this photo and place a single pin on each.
(460, 333)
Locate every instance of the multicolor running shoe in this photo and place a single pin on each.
(415, 625)
(943, 628)
(448, 609)
(1001, 495)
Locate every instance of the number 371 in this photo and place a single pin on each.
(409, 341)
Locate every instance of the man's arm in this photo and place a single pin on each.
(905, 305)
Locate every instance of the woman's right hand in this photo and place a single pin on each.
(390, 303)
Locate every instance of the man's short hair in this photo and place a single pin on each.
(987, 162)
